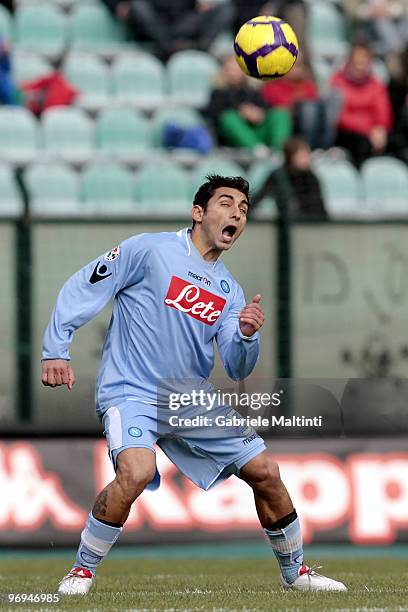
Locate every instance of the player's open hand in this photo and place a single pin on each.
(57, 372)
(251, 317)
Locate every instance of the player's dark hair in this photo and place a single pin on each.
(213, 182)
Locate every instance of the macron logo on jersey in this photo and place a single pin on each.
(194, 301)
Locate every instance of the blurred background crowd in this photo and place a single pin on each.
(145, 78)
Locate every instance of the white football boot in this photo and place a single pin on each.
(77, 582)
(309, 580)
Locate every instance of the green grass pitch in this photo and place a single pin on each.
(208, 584)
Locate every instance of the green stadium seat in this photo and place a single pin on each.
(341, 188)
(326, 29)
(123, 133)
(41, 28)
(67, 134)
(53, 188)
(385, 182)
(214, 164)
(10, 197)
(186, 117)
(29, 66)
(189, 77)
(18, 135)
(107, 187)
(5, 24)
(138, 80)
(169, 195)
(93, 28)
(90, 75)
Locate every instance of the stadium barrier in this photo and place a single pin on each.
(344, 491)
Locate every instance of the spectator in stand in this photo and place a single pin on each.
(384, 21)
(294, 186)
(365, 116)
(298, 93)
(398, 90)
(9, 93)
(240, 115)
(176, 24)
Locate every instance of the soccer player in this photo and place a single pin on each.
(173, 298)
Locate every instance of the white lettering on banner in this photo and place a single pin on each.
(380, 499)
(194, 301)
(30, 496)
(319, 487)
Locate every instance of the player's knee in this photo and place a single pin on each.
(265, 475)
(133, 480)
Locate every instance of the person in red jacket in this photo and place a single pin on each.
(298, 93)
(365, 117)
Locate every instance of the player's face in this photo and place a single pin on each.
(225, 218)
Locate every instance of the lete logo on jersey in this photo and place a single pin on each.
(194, 301)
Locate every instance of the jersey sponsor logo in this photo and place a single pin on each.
(202, 279)
(225, 286)
(194, 301)
(99, 274)
(112, 254)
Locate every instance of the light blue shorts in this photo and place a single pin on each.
(206, 454)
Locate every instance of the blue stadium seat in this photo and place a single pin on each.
(169, 195)
(138, 80)
(5, 24)
(41, 28)
(385, 182)
(123, 133)
(107, 187)
(189, 77)
(90, 75)
(53, 188)
(18, 135)
(93, 28)
(341, 188)
(67, 134)
(28, 66)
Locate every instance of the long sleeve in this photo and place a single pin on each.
(238, 353)
(88, 291)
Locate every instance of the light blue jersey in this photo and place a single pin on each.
(169, 307)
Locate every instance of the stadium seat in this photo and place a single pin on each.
(90, 75)
(108, 188)
(385, 182)
(93, 28)
(41, 28)
(53, 188)
(29, 66)
(186, 117)
(67, 134)
(189, 77)
(341, 188)
(18, 135)
(5, 24)
(260, 170)
(138, 79)
(123, 133)
(168, 195)
(326, 29)
(10, 197)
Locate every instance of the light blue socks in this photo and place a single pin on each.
(96, 541)
(287, 545)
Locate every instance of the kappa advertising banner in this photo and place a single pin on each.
(352, 490)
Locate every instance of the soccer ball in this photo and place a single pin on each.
(266, 47)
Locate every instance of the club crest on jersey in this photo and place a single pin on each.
(113, 254)
(194, 301)
(225, 286)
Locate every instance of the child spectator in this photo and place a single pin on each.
(365, 116)
(294, 186)
(241, 116)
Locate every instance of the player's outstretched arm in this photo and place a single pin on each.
(57, 372)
